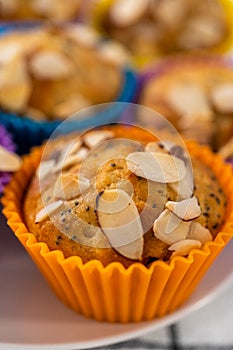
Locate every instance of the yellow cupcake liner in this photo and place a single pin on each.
(227, 44)
(115, 293)
(100, 9)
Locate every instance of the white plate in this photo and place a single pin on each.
(32, 318)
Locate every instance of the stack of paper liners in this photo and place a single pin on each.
(114, 293)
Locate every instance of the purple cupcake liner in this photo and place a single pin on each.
(7, 142)
(230, 161)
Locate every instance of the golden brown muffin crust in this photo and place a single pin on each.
(66, 230)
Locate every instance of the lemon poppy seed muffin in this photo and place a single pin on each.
(102, 195)
(195, 94)
(51, 72)
(152, 27)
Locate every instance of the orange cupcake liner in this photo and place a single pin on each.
(115, 293)
(101, 7)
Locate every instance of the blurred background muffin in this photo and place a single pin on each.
(150, 27)
(195, 93)
(58, 10)
(50, 73)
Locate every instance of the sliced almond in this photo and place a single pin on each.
(160, 146)
(71, 148)
(75, 148)
(69, 186)
(82, 34)
(120, 221)
(10, 51)
(95, 137)
(71, 160)
(188, 99)
(70, 106)
(53, 9)
(154, 147)
(201, 32)
(45, 168)
(114, 53)
(156, 166)
(9, 160)
(51, 65)
(168, 147)
(187, 209)
(183, 247)
(48, 210)
(169, 228)
(222, 98)
(185, 187)
(56, 10)
(164, 11)
(126, 12)
(199, 232)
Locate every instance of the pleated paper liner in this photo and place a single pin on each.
(114, 293)
(101, 7)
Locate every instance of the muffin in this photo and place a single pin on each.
(195, 94)
(164, 26)
(56, 10)
(50, 73)
(114, 222)
(10, 162)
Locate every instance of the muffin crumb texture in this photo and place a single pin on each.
(120, 194)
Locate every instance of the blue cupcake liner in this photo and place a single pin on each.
(6, 27)
(27, 132)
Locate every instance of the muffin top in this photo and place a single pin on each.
(195, 94)
(52, 72)
(119, 193)
(57, 10)
(164, 26)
